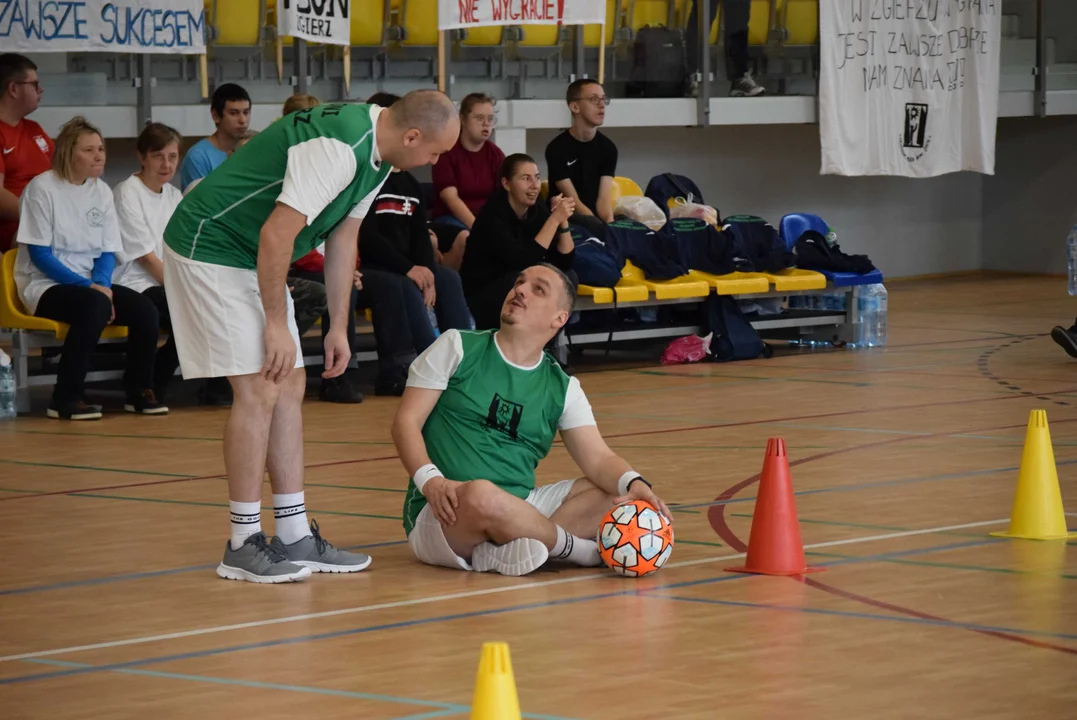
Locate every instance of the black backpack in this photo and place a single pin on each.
(734, 337)
(658, 66)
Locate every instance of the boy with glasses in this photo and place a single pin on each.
(581, 162)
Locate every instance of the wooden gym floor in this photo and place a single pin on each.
(904, 460)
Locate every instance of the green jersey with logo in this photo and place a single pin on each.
(494, 420)
(322, 161)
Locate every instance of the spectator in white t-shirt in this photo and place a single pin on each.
(144, 204)
(67, 239)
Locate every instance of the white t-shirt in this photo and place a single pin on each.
(437, 364)
(77, 221)
(143, 215)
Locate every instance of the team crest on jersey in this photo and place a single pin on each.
(42, 143)
(504, 416)
(95, 217)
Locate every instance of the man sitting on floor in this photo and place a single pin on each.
(480, 410)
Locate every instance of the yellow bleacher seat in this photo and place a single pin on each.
(677, 288)
(237, 22)
(626, 290)
(486, 36)
(624, 187)
(802, 22)
(368, 21)
(592, 34)
(648, 12)
(13, 315)
(419, 20)
(796, 279)
(734, 283)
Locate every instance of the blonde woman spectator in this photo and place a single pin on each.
(144, 203)
(68, 236)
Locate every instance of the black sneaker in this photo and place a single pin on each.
(145, 403)
(339, 390)
(75, 411)
(1067, 339)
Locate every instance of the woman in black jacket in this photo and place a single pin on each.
(513, 232)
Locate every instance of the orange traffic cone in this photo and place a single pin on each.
(774, 546)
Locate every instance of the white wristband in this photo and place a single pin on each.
(628, 477)
(424, 474)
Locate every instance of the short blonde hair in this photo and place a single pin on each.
(299, 101)
(67, 141)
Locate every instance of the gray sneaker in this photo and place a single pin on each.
(318, 554)
(259, 562)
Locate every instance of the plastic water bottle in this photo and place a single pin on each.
(433, 318)
(1071, 259)
(7, 387)
(871, 311)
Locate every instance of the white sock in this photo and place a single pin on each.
(576, 550)
(290, 514)
(246, 521)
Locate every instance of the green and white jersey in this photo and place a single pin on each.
(494, 420)
(323, 162)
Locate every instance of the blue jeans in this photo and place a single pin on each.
(450, 308)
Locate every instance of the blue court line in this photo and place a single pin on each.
(878, 484)
(871, 616)
(723, 577)
(445, 709)
(305, 638)
(149, 574)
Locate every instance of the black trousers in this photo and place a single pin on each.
(593, 224)
(87, 311)
(486, 302)
(167, 359)
(735, 23)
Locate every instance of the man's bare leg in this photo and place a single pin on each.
(497, 530)
(248, 555)
(299, 540)
(284, 459)
(583, 509)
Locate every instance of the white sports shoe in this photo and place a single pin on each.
(516, 557)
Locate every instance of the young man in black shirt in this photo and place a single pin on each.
(581, 162)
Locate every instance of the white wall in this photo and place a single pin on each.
(1031, 202)
(906, 226)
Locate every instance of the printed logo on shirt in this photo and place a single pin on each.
(914, 140)
(395, 205)
(8, 150)
(95, 217)
(504, 416)
(41, 143)
(573, 162)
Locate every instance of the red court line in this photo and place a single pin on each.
(716, 517)
(179, 480)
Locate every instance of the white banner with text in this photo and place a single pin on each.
(131, 26)
(320, 21)
(457, 14)
(908, 87)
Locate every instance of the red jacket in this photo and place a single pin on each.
(314, 262)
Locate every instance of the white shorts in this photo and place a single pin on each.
(217, 318)
(427, 538)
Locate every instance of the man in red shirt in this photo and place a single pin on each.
(25, 149)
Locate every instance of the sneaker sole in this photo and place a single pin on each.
(1060, 336)
(155, 411)
(233, 573)
(77, 416)
(515, 558)
(327, 568)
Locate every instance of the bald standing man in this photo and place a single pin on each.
(307, 180)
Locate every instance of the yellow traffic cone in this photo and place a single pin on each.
(495, 688)
(1037, 506)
